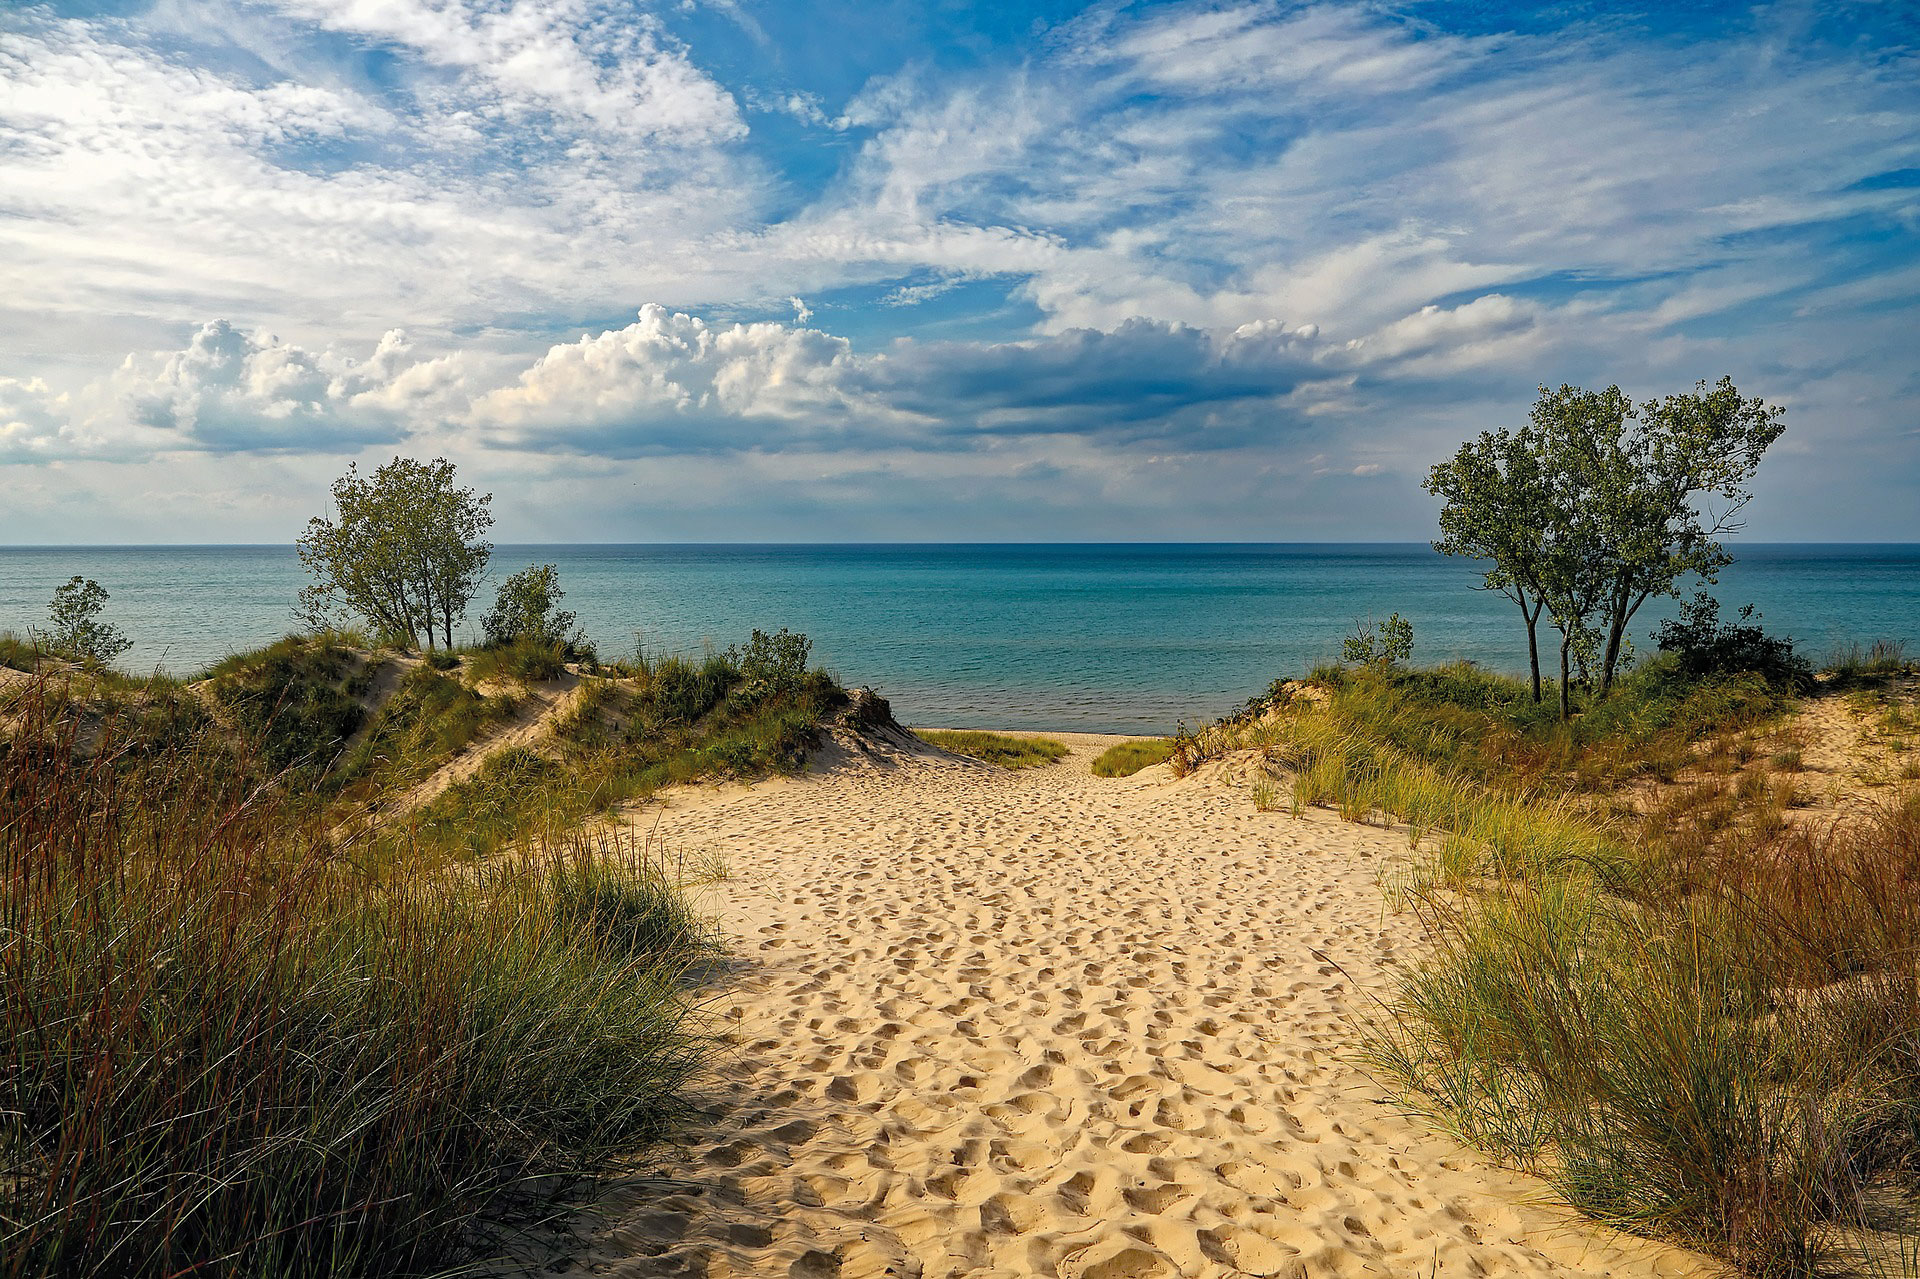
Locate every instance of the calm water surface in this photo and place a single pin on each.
(1123, 638)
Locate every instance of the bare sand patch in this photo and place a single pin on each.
(1041, 1023)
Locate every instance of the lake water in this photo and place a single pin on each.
(1116, 638)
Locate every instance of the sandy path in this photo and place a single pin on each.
(1042, 1023)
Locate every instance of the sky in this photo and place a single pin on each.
(902, 270)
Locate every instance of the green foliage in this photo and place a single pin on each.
(665, 722)
(683, 691)
(429, 718)
(527, 609)
(1383, 644)
(17, 653)
(996, 748)
(1695, 1020)
(1703, 646)
(771, 665)
(222, 1052)
(1497, 506)
(404, 551)
(1124, 759)
(76, 631)
(524, 661)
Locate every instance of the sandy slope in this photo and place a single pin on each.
(1042, 1023)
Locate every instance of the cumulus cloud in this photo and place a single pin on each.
(233, 391)
(670, 382)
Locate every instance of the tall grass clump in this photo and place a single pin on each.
(1854, 662)
(224, 1053)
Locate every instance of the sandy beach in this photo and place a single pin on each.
(1040, 1023)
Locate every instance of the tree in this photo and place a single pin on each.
(403, 552)
(1496, 508)
(1595, 506)
(1658, 486)
(77, 631)
(527, 607)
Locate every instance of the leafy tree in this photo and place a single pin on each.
(1659, 485)
(404, 551)
(1596, 506)
(77, 632)
(1379, 644)
(1497, 507)
(527, 607)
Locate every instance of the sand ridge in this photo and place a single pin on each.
(1042, 1023)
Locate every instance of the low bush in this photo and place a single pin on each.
(996, 748)
(1703, 646)
(1124, 759)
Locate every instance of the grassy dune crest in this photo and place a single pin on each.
(1696, 1018)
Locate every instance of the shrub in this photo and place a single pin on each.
(527, 609)
(770, 665)
(1704, 646)
(76, 631)
(1379, 644)
(1124, 759)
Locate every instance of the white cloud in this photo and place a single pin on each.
(670, 382)
(232, 391)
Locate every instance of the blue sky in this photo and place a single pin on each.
(706, 270)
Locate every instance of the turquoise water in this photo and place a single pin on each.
(1126, 638)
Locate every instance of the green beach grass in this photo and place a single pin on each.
(1127, 758)
(246, 1035)
(995, 748)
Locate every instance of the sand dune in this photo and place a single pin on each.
(1043, 1023)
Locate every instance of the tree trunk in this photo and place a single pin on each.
(1566, 642)
(1616, 627)
(1533, 647)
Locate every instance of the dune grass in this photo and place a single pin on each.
(1856, 663)
(1695, 1018)
(228, 1051)
(995, 748)
(1124, 759)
